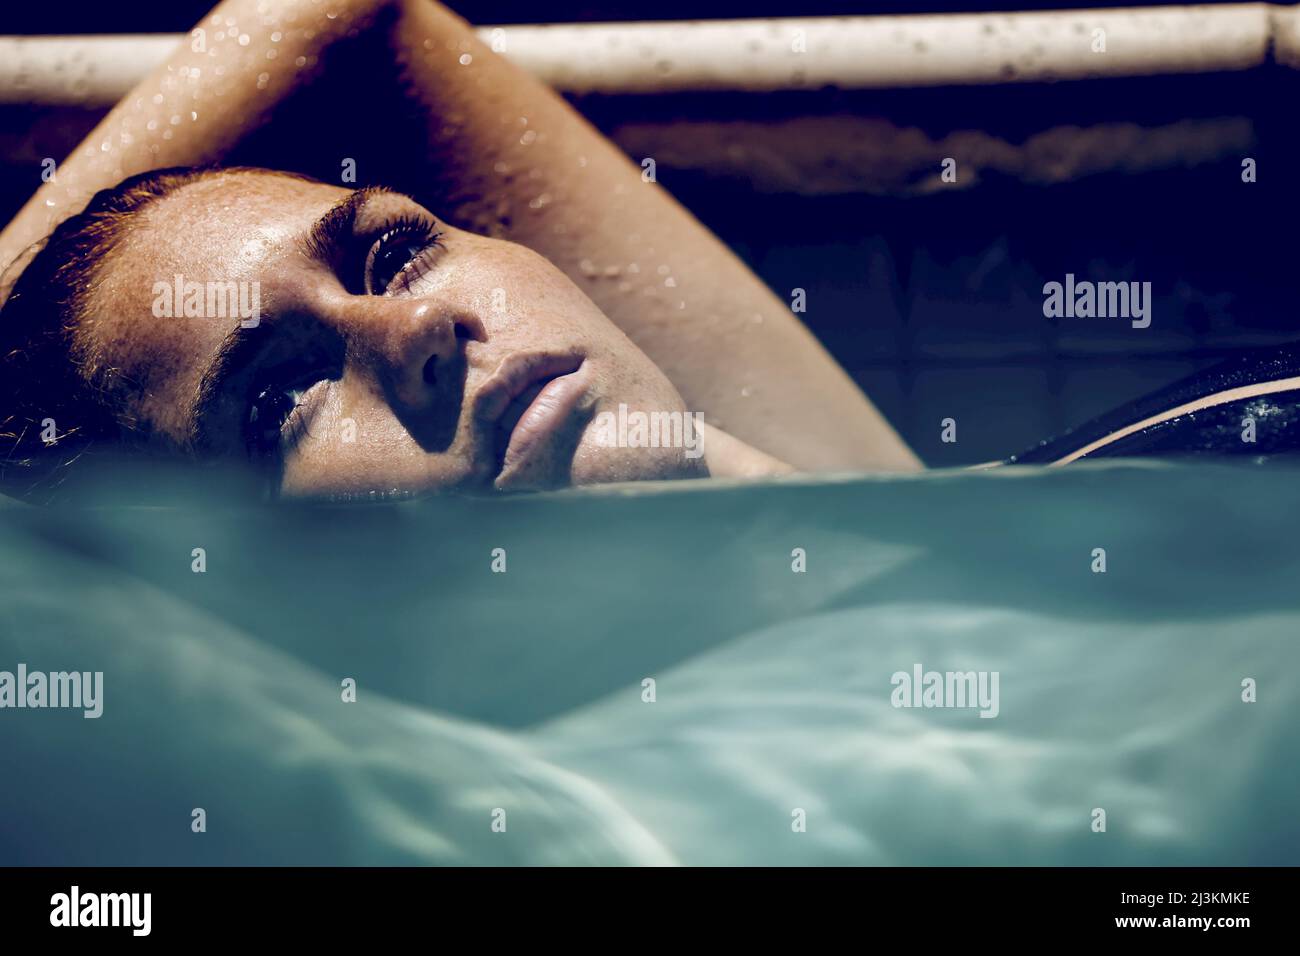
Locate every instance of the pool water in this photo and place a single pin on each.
(509, 716)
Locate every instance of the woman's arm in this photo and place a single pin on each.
(404, 90)
(729, 457)
(215, 93)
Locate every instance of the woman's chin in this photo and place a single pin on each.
(601, 465)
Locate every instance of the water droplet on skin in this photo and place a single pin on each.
(220, 35)
(428, 44)
(746, 392)
(167, 134)
(582, 162)
(157, 99)
(49, 202)
(276, 36)
(528, 138)
(175, 120)
(300, 62)
(194, 116)
(331, 15)
(465, 59)
(151, 125)
(663, 270)
(586, 267)
(244, 39)
(670, 282)
(104, 147)
(272, 54)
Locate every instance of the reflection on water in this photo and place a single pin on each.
(523, 692)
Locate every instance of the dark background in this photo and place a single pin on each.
(933, 303)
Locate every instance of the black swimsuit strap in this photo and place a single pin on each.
(1214, 430)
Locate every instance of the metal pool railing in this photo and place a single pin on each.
(869, 52)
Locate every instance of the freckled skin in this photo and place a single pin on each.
(408, 435)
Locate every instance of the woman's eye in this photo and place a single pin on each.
(267, 416)
(397, 255)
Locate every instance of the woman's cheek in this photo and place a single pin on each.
(360, 452)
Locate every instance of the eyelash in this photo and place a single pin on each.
(266, 441)
(419, 234)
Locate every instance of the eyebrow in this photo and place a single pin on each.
(236, 352)
(331, 231)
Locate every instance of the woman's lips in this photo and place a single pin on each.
(528, 403)
(536, 421)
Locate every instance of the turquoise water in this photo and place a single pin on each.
(523, 691)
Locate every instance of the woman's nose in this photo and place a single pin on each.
(417, 344)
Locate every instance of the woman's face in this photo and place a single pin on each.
(378, 349)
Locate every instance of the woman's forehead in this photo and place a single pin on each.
(224, 223)
(193, 246)
(225, 228)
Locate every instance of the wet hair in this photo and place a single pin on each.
(55, 409)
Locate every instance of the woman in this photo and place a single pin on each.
(481, 319)
(494, 316)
